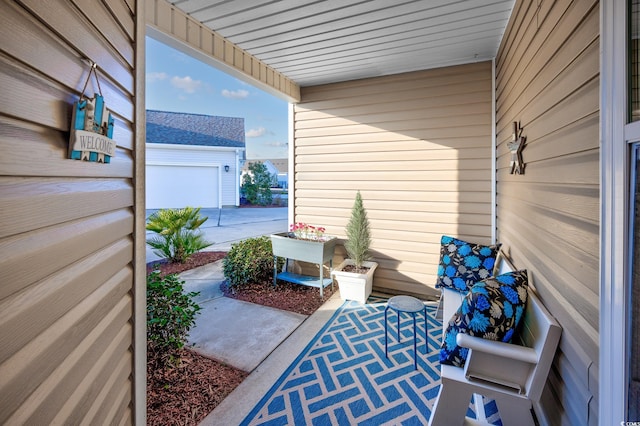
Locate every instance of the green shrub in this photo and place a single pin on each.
(256, 185)
(178, 235)
(250, 260)
(170, 314)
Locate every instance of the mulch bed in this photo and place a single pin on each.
(287, 296)
(194, 261)
(186, 393)
(258, 206)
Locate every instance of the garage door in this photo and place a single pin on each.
(172, 186)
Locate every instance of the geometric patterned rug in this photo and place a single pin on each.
(342, 377)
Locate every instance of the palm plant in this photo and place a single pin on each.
(358, 234)
(178, 235)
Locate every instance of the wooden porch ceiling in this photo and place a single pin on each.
(315, 42)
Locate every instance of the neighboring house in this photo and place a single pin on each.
(276, 167)
(193, 160)
(426, 146)
(282, 170)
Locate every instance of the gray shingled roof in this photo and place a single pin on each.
(194, 129)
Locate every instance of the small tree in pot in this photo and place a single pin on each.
(358, 235)
(355, 274)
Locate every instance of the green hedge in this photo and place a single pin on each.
(250, 260)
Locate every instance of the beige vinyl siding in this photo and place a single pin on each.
(67, 289)
(548, 79)
(417, 146)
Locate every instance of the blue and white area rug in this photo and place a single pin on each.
(343, 377)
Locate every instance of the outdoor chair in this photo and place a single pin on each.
(513, 374)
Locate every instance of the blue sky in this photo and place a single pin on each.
(179, 83)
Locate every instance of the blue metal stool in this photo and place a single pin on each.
(412, 306)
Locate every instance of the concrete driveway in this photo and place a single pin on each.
(227, 226)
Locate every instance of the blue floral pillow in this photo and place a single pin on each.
(463, 264)
(492, 310)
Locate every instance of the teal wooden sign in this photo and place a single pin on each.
(92, 131)
(91, 128)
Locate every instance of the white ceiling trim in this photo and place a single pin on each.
(315, 42)
(177, 29)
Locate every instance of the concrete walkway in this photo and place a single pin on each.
(260, 340)
(235, 407)
(237, 333)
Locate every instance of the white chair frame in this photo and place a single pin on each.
(514, 374)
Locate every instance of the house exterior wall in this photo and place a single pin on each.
(547, 78)
(70, 296)
(202, 156)
(417, 146)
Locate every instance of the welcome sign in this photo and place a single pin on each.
(91, 131)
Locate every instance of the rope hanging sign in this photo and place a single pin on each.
(91, 126)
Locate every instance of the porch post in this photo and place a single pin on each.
(140, 271)
(291, 169)
(613, 213)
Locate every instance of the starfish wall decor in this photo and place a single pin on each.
(516, 146)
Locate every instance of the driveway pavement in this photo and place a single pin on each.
(227, 226)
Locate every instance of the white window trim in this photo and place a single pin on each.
(613, 214)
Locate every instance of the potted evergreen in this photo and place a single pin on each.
(355, 274)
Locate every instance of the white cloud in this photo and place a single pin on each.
(186, 83)
(276, 144)
(235, 94)
(156, 76)
(256, 133)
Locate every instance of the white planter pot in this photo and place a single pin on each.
(318, 252)
(354, 286)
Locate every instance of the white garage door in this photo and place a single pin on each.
(172, 186)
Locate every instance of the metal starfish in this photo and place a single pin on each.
(516, 146)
